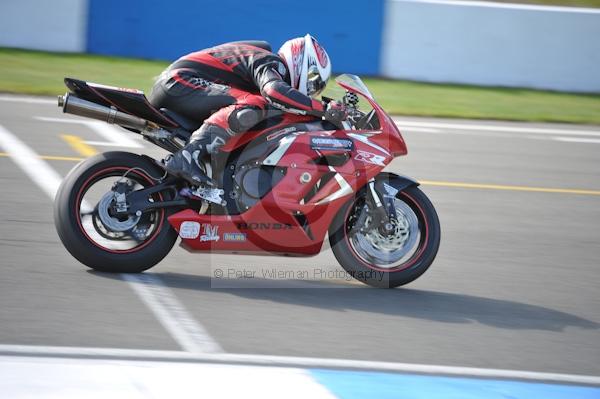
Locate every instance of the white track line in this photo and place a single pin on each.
(495, 135)
(172, 315)
(417, 129)
(187, 332)
(102, 143)
(38, 170)
(27, 99)
(577, 140)
(291, 361)
(115, 137)
(497, 128)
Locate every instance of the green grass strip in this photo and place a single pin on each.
(41, 73)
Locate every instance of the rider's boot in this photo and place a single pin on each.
(186, 163)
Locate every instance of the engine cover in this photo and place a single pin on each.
(252, 182)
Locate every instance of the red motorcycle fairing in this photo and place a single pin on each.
(291, 218)
(284, 120)
(281, 189)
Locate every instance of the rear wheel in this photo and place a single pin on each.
(92, 229)
(391, 257)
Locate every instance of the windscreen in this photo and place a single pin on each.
(355, 83)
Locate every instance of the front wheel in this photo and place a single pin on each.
(92, 229)
(392, 257)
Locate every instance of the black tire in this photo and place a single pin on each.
(70, 229)
(410, 269)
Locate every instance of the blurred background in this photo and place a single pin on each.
(436, 41)
(499, 104)
(474, 52)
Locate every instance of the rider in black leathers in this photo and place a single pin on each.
(232, 86)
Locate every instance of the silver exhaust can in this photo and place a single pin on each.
(72, 104)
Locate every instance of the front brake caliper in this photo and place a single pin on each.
(360, 223)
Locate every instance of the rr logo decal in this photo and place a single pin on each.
(369, 157)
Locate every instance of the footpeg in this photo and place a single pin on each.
(213, 195)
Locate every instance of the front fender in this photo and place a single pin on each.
(397, 182)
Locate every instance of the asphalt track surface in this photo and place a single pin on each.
(515, 284)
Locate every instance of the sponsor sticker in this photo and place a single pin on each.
(391, 191)
(211, 233)
(189, 230)
(234, 237)
(330, 143)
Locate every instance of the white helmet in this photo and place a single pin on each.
(308, 64)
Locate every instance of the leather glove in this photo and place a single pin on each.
(335, 113)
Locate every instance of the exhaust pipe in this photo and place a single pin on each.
(72, 104)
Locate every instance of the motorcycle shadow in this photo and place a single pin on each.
(402, 302)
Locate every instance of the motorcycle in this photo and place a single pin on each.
(281, 188)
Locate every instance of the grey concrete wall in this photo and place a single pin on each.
(481, 43)
(53, 25)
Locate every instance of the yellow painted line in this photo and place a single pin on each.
(510, 188)
(423, 182)
(79, 145)
(58, 158)
(51, 157)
